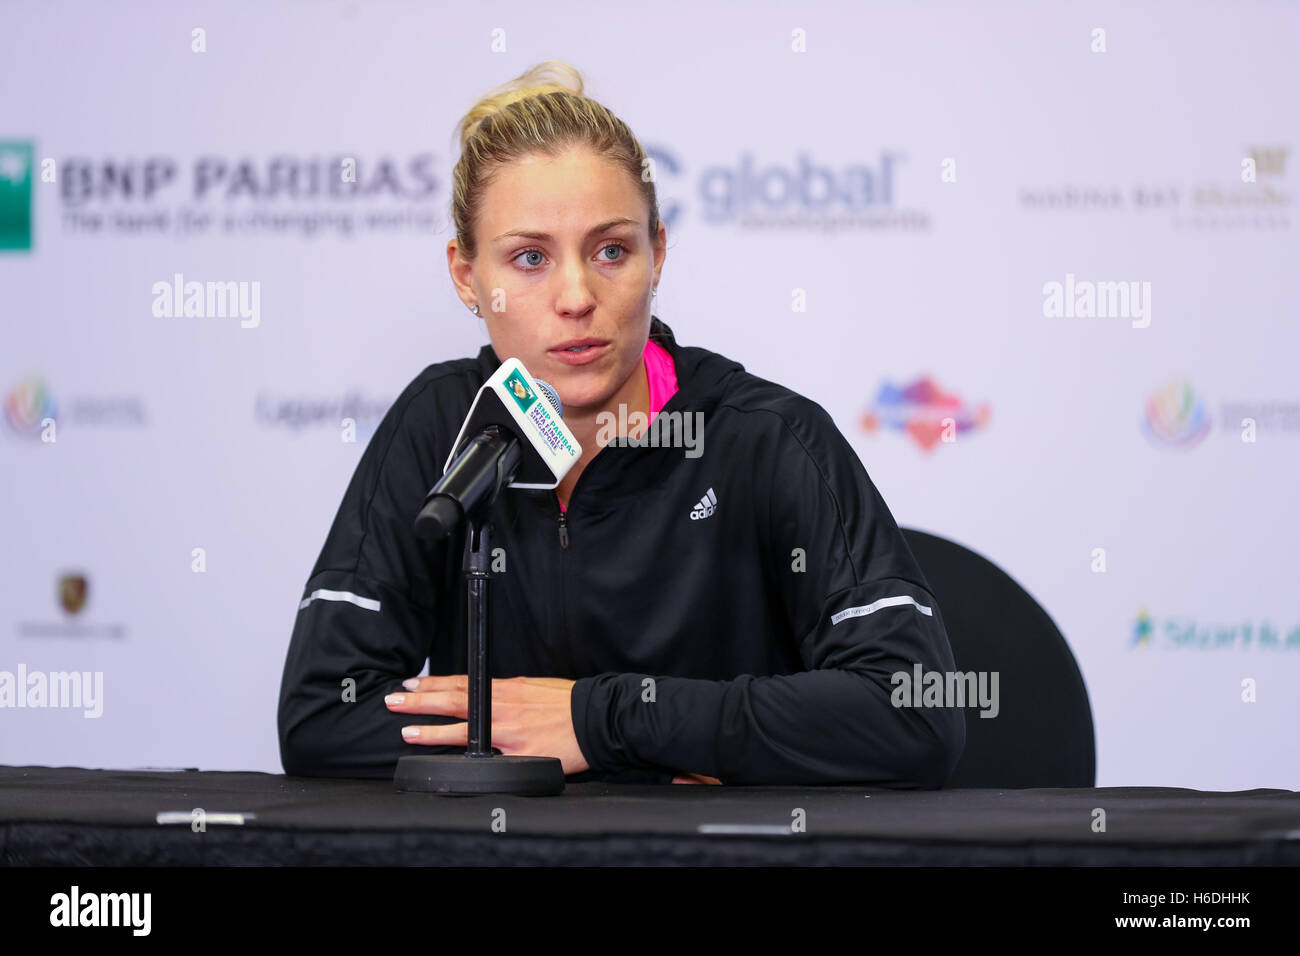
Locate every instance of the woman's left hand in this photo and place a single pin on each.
(530, 715)
(697, 778)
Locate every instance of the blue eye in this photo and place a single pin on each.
(534, 266)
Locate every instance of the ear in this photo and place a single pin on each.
(462, 274)
(661, 250)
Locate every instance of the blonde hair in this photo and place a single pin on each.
(543, 110)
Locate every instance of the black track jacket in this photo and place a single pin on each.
(759, 580)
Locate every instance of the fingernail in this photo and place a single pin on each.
(395, 699)
(412, 683)
(410, 731)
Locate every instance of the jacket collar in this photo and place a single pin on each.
(700, 372)
(702, 380)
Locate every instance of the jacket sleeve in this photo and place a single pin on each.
(366, 618)
(860, 612)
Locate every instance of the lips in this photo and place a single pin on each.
(579, 344)
(580, 351)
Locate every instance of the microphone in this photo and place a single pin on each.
(514, 436)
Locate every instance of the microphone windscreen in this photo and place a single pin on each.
(550, 395)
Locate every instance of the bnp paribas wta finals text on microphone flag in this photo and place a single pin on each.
(513, 437)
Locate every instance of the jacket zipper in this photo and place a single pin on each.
(564, 521)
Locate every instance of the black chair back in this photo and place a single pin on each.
(1042, 735)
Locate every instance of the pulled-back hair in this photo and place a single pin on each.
(542, 111)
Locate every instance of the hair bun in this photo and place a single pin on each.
(549, 76)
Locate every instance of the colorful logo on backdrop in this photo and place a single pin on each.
(73, 590)
(1142, 630)
(16, 160)
(30, 411)
(1176, 416)
(27, 405)
(1181, 632)
(925, 412)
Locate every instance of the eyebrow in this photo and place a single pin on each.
(543, 236)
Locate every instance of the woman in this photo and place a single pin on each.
(720, 597)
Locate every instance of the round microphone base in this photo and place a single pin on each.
(463, 774)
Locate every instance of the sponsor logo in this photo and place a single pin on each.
(667, 170)
(72, 592)
(241, 196)
(549, 430)
(15, 195)
(31, 411)
(1175, 416)
(808, 195)
(28, 407)
(1185, 633)
(1256, 199)
(924, 412)
(520, 391)
(299, 412)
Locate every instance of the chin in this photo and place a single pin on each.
(581, 394)
(583, 398)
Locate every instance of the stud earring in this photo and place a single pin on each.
(474, 309)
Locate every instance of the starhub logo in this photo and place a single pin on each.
(1185, 633)
(808, 194)
(15, 195)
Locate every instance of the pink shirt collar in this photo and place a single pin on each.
(661, 374)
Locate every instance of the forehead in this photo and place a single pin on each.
(545, 193)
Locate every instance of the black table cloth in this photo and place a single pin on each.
(74, 816)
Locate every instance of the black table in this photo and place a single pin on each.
(67, 816)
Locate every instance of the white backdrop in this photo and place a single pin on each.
(1008, 149)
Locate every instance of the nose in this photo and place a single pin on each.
(574, 297)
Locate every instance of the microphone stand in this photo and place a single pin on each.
(479, 770)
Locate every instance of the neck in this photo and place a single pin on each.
(587, 424)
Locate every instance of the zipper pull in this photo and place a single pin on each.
(564, 530)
